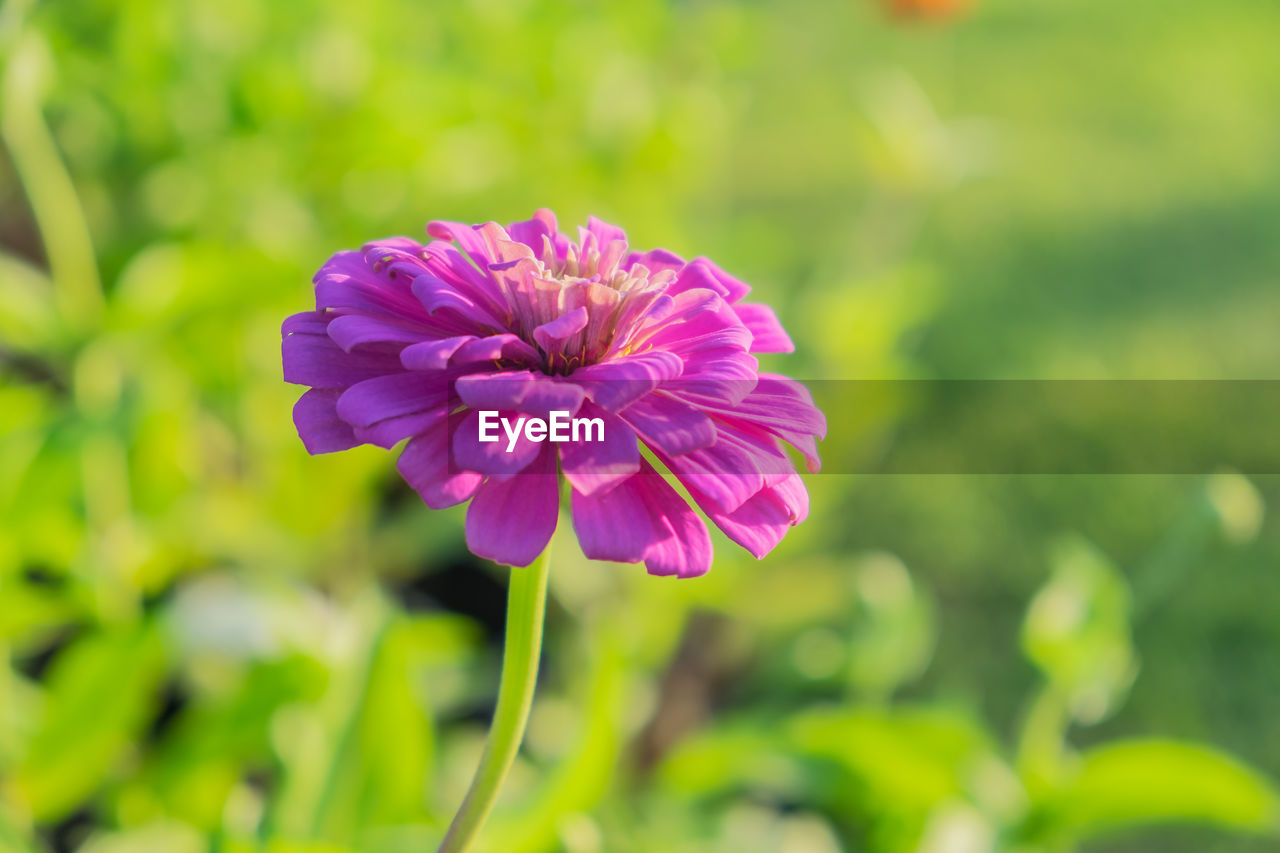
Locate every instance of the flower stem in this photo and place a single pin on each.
(526, 602)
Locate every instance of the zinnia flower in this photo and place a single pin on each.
(412, 341)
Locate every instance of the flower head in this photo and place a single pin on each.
(413, 341)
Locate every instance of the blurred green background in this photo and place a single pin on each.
(212, 642)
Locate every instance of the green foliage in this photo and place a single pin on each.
(1136, 782)
(210, 641)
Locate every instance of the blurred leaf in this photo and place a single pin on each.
(1238, 504)
(728, 758)
(582, 776)
(160, 837)
(1143, 782)
(29, 318)
(363, 763)
(893, 639)
(14, 838)
(900, 761)
(1077, 631)
(101, 692)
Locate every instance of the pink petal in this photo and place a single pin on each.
(321, 430)
(426, 467)
(615, 525)
(669, 425)
(317, 361)
(619, 382)
(491, 457)
(552, 336)
(432, 355)
(382, 397)
(511, 521)
(597, 466)
(767, 334)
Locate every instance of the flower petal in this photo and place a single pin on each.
(317, 361)
(432, 355)
(501, 390)
(597, 466)
(553, 336)
(496, 348)
(686, 549)
(321, 430)
(511, 521)
(425, 465)
(437, 296)
(643, 518)
(778, 405)
(382, 397)
(669, 425)
(701, 272)
(351, 330)
(721, 477)
(389, 432)
(346, 281)
(532, 231)
(656, 260)
(767, 334)
(760, 523)
(492, 457)
(617, 383)
(615, 525)
(519, 390)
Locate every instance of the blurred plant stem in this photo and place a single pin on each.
(44, 177)
(526, 604)
(1042, 741)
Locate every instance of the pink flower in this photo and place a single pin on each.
(412, 341)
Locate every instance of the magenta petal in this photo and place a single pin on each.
(308, 322)
(321, 430)
(702, 273)
(373, 400)
(391, 431)
(604, 233)
(657, 260)
(734, 288)
(615, 384)
(767, 334)
(760, 523)
(685, 549)
(531, 232)
(468, 237)
(721, 477)
(347, 282)
(670, 425)
(779, 406)
(617, 524)
(432, 355)
(545, 395)
(351, 330)
(317, 361)
(511, 521)
(451, 266)
(552, 336)
(491, 457)
(494, 348)
(502, 390)
(597, 466)
(426, 467)
(519, 390)
(435, 295)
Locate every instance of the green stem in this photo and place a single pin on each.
(526, 602)
(48, 185)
